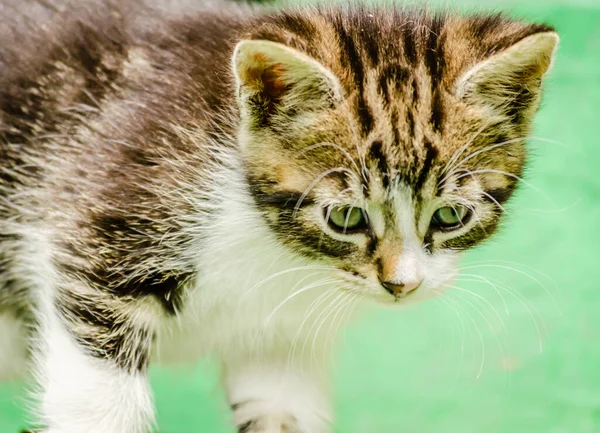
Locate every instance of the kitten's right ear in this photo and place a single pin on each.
(275, 82)
(509, 82)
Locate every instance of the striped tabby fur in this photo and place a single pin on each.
(168, 186)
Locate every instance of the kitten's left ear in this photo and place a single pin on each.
(276, 82)
(510, 81)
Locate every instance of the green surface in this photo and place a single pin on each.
(476, 366)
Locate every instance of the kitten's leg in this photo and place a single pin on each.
(13, 347)
(91, 365)
(272, 398)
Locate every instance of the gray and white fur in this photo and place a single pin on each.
(234, 181)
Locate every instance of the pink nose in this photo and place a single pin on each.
(400, 289)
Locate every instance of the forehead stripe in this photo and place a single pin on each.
(410, 50)
(395, 127)
(395, 74)
(434, 54)
(410, 118)
(371, 45)
(377, 155)
(415, 89)
(437, 111)
(431, 154)
(435, 62)
(351, 58)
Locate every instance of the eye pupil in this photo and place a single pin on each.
(346, 218)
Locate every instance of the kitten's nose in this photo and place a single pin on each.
(400, 289)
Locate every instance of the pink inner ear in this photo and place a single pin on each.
(273, 84)
(265, 77)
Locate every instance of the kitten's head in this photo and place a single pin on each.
(386, 142)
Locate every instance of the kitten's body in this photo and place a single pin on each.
(155, 204)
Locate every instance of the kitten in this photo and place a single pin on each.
(234, 181)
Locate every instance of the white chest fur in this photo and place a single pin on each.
(252, 296)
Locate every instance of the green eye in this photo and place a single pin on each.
(450, 217)
(346, 219)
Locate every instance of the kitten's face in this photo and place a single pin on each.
(387, 178)
(384, 216)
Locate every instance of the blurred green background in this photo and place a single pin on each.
(523, 356)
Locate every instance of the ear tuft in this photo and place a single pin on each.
(275, 79)
(510, 81)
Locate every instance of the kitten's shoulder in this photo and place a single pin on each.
(56, 54)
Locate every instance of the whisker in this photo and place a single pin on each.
(483, 316)
(469, 205)
(509, 262)
(316, 284)
(285, 271)
(333, 312)
(262, 330)
(531, 310)
(537, 281)
(311, 309)
(488, 282)
(477, 330)
(328, 215)
(361, 156)
(479, 152)
(321, 317)
(315, 182)
(486, 302)
(511, 175)
(548, 140)
(345, 319)
(539, 212)
(462, 326)
(460, 150)
(331, 333)
(488, 196)
(335, 146)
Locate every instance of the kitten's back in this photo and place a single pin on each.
(77, 80)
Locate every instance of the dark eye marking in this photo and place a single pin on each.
(372, 244)
(498, 196)
(352, 271)
(377, 155)
(473, 237)
(282, 199)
